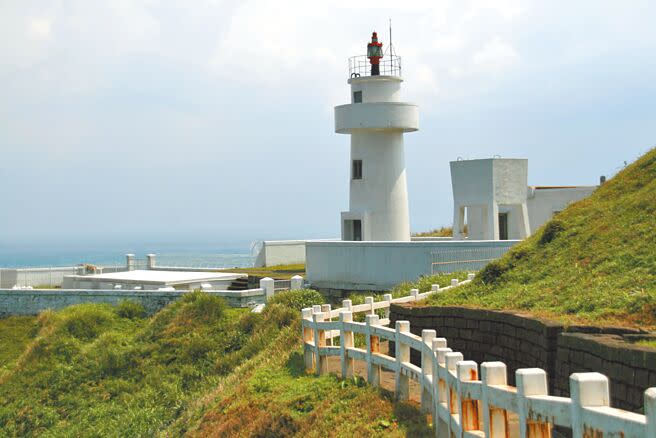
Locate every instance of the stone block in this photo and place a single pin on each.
(627, 375)
(641, 378)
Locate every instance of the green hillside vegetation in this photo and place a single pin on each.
(436, 232)
(595, 262)
(15, 333)
(104, 370)
(196, 367)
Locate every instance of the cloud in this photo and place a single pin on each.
(494, 57)
(39, 28)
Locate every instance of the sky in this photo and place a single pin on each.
(211, 122)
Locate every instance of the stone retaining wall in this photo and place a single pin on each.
(521, 341)
(31, 302)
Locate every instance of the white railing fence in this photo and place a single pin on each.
(466, 401)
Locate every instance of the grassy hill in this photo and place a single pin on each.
(196, 367)
(595, 262)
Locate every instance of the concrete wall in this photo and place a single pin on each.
(280, 252)
(522, 341)
(10, 277)
(31, 302)
(34, 276)
(543, 203)
(382, 265)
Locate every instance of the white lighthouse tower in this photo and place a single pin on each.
(376, 119)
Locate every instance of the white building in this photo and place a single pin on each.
(376, 119)
(492, 197)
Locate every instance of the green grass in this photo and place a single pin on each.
(647, 343)
(101, 370)
(271, 395)
(15, 333)
(595, 262)
(196, 367)
(436, 232)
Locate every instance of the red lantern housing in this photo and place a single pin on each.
(374, 53)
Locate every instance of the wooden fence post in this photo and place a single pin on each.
(370, 302)
(435, 287)
(347, 305)
(531, 382)
(454, 282)
(388, 298)
(308, 336)
(373, 346)
(345, 342)
(296, 282)
(441, 426)
(427, 359)
(269, 286)
(402, 355)
(450, 362)
(325, 309)
(495, 420)
(467, 371)
(319, 342)
(587, 390)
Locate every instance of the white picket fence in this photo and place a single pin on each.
(461, 403)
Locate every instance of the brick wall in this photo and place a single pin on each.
(521, 341)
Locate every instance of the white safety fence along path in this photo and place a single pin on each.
(466, 401)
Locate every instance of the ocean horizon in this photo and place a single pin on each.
(179, 255)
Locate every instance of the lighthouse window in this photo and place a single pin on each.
(357, 97)
(357, 169)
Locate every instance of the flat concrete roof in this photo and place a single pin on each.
(162, 277)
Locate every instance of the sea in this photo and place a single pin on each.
(178, 255)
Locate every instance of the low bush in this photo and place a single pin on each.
(297, 299)
(130, 309)
(551, 230)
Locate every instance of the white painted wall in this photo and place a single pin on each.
(543, 203)
(484, 188)
(376, 126)
(280, 252)
(379, 265)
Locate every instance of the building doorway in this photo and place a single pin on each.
(353, 229)
(503, 226)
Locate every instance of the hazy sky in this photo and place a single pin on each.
(212, 121)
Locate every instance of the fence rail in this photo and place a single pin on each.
(465, 400)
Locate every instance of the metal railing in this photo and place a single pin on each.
(360, 66)
(470, 259)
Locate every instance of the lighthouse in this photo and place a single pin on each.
(376, 119)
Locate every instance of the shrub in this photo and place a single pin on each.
(203, 307)
(280, 315)
(493, 271)
(130, 309)
(249, 321)
(297, 299)
(196, 348)
(111, 353)
(553, 228)
(86, 321)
